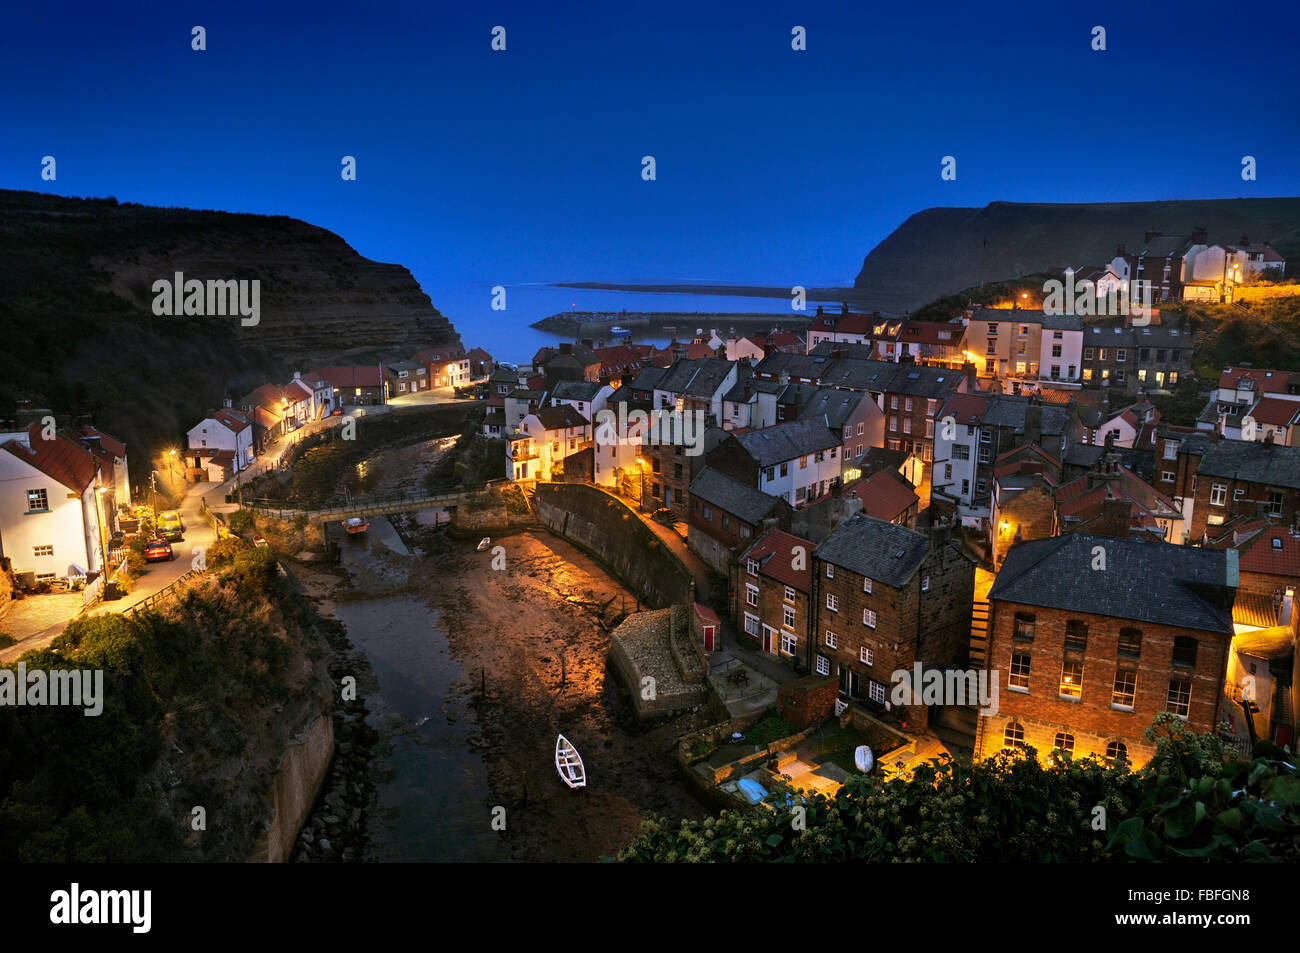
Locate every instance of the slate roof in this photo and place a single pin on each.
(649, 377)
(883, 552)
(794, 438)
(1005, 410)
(834, 407)
(775, 553)
(1098, 336)
(919, 380)
(799, 366)
(576, 390)
(1143, 581)
(698, 377)
(398, 366)
(858, 374)
(1251, 461)
(858, 352)
(743, 502)
(561, 417)
(737, 394)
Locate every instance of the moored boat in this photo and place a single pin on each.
(356, 524)
(569, 763)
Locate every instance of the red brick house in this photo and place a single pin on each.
(772, 582)
(888, 597)
(1090, 637)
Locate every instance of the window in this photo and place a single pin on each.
(823, 665)
(925, 584)
(1130, 643)
(830, 571)
(39, 551)
(866, 656)
(860, 426)
(869, 618)
(1166, 476)
(785, 469)
(788, 619)
(1076, 635)
(907, 425)
(965, 487)
(788, 643)
(1171, 450)
(832, 641)
(992, 348)
(960, 451)
(769, 474)
(751, 595)
(1142, 374)
(876, 691)
(907, 404)
(708, 513)
(986, 454)
(1218, 494)
(1173, 378)
(1020, 367)
(1275, 503)
(990, 367)
(726, 523)
(986, 436)
(752, 566)
(1019, 673)
(1121, 354)
(803, 462)
(832, 602)
(1180, 696)
(1014, 736)
(789, 594)
(1071, 679)
(993, 328)
(893, 423)
(1119, 374)
(1087, 354)
(947, 471)
(1125, 689)
(1023, 627)
(893, 402)
(1185, 651)
(1064, 742)
(1116, 751)
(866, 584)
(1101, 354)
(751, 624)
(37, 501)
(1087, 373)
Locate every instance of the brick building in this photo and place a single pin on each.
(772, 581)
(1086, 656)
(888, 597)
(726, 515)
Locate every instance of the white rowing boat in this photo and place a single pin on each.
(569, 763)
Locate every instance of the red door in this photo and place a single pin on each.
(709, 638)
(767, 640)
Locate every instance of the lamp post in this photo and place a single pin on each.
(171, 473)
(100, 491)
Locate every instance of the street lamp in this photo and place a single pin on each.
(100, 492)
(171, 473)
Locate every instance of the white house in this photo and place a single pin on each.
(226, 436)
(1060, 358)
(53, 519)
(586, 397)
(956, 455)
(538, 449)
(798, 460)
(743, 349)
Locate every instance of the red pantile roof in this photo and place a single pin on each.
(884, 495)
(775, 552)
(1275, 411)
(1266, 381)
(114, 446)
(232, 420)
(1275, 552)
(343, 377)
(62, 459)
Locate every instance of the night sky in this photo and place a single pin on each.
(774, 166)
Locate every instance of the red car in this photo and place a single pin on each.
(158, 550)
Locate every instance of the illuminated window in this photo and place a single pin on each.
(1116, 751)
(1064, 742)
(1024, 625)
(1071, 679)
(1125, 689)
(1013, 736)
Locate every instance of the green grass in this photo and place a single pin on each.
(769, 728)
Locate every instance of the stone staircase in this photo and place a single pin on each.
(979, 634)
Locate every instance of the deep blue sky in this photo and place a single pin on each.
(478, 168)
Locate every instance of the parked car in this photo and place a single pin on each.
(665, 516)
(158, 551)
(170, 526)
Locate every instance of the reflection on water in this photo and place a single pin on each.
(432, 791)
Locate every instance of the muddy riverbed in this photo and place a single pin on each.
(472, 673)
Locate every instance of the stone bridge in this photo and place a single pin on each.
(367, 505)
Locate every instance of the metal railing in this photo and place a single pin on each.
(165, 593)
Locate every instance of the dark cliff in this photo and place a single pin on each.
(940, 251)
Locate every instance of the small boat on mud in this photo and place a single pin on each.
(569, 763)
(484, 543)
(617, 330)
(355, 524)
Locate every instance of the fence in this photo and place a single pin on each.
(377, 502)
(162, 594)
(93, 592)
(215, 520)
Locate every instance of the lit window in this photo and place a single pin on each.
(1125, 688)
(1013, 736)
(1116, 751)
(1064, 742)
(1071, 679)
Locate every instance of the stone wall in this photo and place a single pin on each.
(608, 530)
(807, 701)
(302, 769)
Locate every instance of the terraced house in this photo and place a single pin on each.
(1090, 637)
(886, 598)
(773, 583)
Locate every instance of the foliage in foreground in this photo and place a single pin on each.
(1188, 803)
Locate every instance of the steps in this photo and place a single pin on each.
(979, 634)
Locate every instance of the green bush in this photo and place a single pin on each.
(223, 551)
(1186, 804)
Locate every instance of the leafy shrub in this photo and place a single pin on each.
(224, 551)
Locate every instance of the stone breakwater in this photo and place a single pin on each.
(336, 829)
